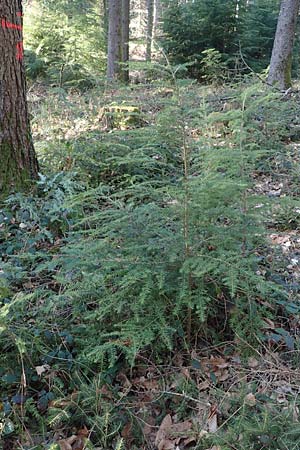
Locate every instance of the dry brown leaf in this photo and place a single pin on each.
(252, 362)
(41, 369)
(79, 444)
(212, 423)
(250, 399)
(170, 434)
(127, 433)
(212, 420)
(149, 426)
(202, 434)
(164, 429)
(166, 444)
(281, 398)
(224, 376)
(186, 373)
(268, 323)
(66, 444)
(180, 427)
(105, 391)
(203, 386)
(188, 441)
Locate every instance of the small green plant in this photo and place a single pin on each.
(214, 69)
(156, 243)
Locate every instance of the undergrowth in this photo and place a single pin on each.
(143, 242)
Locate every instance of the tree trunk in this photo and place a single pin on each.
(104, 22)
(18, 163)
(114, 51)
(150, 24)
(281, 60)
(125, 40)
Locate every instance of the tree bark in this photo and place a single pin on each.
(281, 60)
(18, 163)
(125, 40)
(114, 51)
(150, 24)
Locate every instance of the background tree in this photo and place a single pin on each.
(256, 34)
(125, 40)
(18, 162)
(73, 53)
(281, 61)
(193, 27)
(150, 24)
(118, 40)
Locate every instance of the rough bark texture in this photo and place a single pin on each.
(114, 51)
(18, 163)
(125, 40)
(150, 24)
(281, 60)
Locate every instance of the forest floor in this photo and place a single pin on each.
(216, 393)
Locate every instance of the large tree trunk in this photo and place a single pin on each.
(281, 60)
(18, 163)
(150, 24)
(118, 40)
(125, 40)
(114, 51)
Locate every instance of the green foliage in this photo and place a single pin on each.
(157, 240)
(258, 27)
(64, 42)
(213, 67)
(264, 425)
(192, 28)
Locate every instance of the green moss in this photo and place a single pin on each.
(4, 292)
(288, 72)
(121, 117)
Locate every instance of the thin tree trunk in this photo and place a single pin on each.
(18, 163)
(104, 21)
(114, 51)
(281, 60)
(125, 40)
(150, 24)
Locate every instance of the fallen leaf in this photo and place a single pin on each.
(250, 399)
(186, 373)
(163, 429)
(268, 323)
(41, 369)
(181, 427)
(224, 376)
(126, 433)
(212, 420)
(188, 441)
(79, 444)
(166, 444)
(281, 398)
(202, 434)
(66, 444)
(252, 362)
(170, 434)
(203, 386)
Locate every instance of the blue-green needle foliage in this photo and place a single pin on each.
(178, 236)
(164, 247)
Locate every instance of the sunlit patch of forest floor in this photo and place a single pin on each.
(219, 391)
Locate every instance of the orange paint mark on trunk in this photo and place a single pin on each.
(20, 51)
(6, 24)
